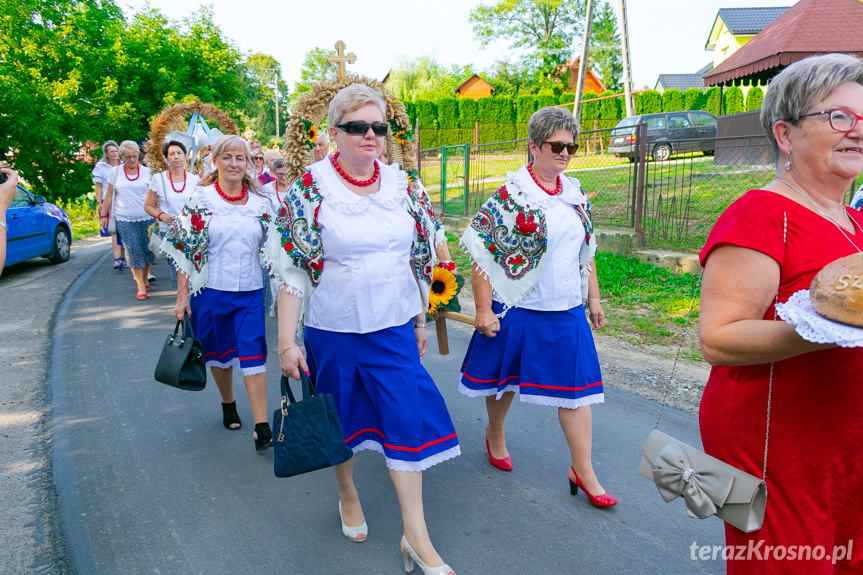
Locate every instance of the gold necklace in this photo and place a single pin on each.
(826, 215)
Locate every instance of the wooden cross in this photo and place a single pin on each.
(339, 59)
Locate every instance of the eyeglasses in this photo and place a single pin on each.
(362, 128)
(256, 158)
(557, 147)
(841, 120)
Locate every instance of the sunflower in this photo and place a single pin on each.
(443, 288)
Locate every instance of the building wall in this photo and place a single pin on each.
(727, 44)
(476, 90)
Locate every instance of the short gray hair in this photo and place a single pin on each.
(354, 97)
(107, 144)
(279, 163)
(802, 84)
(546, 121)
(127, 146)
(322, 135)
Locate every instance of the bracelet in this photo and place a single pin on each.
(100, 217)
(419, 325)
(594, 299)
(287, 348)
(159, 217)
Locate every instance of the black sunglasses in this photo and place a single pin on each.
(362, 128)
(557, 147)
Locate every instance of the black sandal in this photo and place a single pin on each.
(264, 439)
(230, 416)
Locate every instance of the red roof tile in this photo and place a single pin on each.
(807, 28)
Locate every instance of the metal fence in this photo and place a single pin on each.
(670, 204)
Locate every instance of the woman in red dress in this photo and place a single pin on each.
(770, 241)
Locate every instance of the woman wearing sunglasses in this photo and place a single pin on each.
(530, 283)
(351, 248)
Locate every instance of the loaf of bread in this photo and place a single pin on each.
(837, 290)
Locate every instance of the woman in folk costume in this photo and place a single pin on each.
(215, 244)
(532, 246)
(351, 247)
(170, 189)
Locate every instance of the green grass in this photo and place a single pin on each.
(644, 305)
(82, 213)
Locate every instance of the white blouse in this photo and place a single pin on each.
(100, 172)
(170, 201)
(129, 195)
(559, 287)
(367, 283)
(235, 237)
(275, 198)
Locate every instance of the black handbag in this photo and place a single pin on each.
(181, 363)
(307, 434)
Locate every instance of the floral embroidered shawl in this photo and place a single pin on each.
(294, 254)
(507, 237)
(188, 238)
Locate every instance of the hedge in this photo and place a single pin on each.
(694, 99)
(732, 100)
(651, 102)
(566, 98)
(543, 100)
(754, 98)
(426, 112)
(467, 115)
(525, 106)
(672, 100)
(500, 113)
(711, 100)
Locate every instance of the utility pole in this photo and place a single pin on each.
(582, 65)
(624, 48)
(276, 80)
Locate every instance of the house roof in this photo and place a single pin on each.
(470, 81)
(680, 81)
(743, 21)
(809, 27)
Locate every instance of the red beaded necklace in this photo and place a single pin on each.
(172, 182)
(276, 187)
(231, 198)
(138, 175)
(553, 192)
(334, 160)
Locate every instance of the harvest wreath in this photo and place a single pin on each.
(311, 110)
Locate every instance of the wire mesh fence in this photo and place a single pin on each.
(669, 204)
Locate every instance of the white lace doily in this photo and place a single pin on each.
(798, 311)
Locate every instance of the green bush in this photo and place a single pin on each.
(497, 116)
(754, 98)
(651, 102)
(467, 112)
(566, 98)
(672, 100)
(525, 106)
(410, 108)
(447, 119)
(543, 100)
(732, 100)
(82, 214)
(609, 110)
(711, 100)
(693, 99)
(636, 101)
(426, 111)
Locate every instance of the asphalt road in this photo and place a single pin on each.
(150, 482)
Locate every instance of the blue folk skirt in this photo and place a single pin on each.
(385, 398)
(548, 357)
(137, 243)
(231, 328)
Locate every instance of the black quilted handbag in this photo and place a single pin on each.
(181, 363)
(307, 434)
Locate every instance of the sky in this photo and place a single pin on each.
(666, 36)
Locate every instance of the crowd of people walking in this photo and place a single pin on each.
(344, 257)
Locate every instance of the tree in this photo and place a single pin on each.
(547, 29)
(605, 50)
(424, 78)
(262, 72)
(315, 69)
(53, 55)
(510, 78)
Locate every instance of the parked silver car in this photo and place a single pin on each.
(668, 133)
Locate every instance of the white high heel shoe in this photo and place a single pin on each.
(357, 534)
(412, 558)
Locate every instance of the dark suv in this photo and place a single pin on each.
(667, 133)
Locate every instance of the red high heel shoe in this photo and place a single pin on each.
(604, 500)
(503, 464)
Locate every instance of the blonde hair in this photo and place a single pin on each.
(224, 144)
